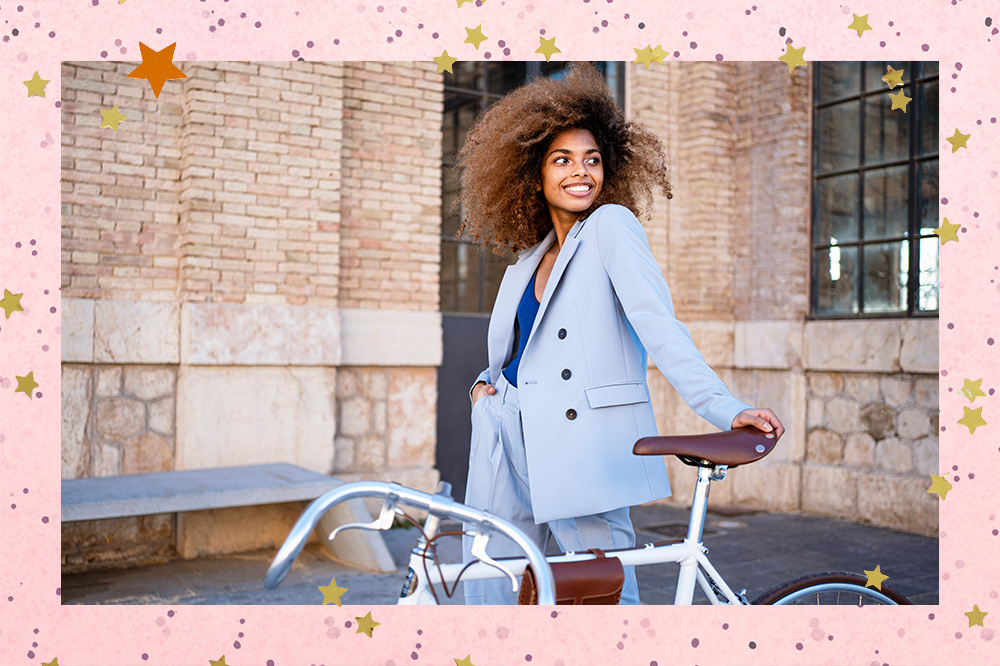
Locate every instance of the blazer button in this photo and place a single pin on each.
(566, 374)
(571, 414)
(562, 333)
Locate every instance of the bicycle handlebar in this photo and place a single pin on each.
(440, 505)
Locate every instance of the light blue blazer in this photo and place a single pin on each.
(605, 306)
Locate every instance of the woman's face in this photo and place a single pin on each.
(572, 174)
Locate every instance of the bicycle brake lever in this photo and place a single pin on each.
(479, 552)
(383, 522)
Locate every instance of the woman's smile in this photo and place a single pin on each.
(572, 175)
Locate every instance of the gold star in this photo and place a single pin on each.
(972, 389)
(221, 661)
(875, 578)
(894, 77)
(948, 231)
(332, 593)
(475, 36)
(973, 419)
(659, 54)
(860, 24)
(112, 117)
(462, 2)
(939, 485)
(459, 662)
(976, 616)
(157, 67)
(26, 384)
(444, 62)
(54, 662)
(793, 58)
(958, 140)
(547, 48)
(899, 101)
(36, 85)
(11, 303)
(643, 56)
(366, 624)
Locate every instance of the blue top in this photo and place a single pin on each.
(526, 311)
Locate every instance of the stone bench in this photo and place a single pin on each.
(228, 487)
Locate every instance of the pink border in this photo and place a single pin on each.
(35, 628)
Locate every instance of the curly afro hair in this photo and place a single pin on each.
(502, 157)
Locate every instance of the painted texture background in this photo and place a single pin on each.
(37, 36)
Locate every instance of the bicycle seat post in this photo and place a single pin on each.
(699, 505)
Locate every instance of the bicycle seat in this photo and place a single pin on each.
(732, 447)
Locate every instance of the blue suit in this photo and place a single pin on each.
(582, 378)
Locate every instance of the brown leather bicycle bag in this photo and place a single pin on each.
(598, 581)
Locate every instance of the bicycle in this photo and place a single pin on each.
(713, 454)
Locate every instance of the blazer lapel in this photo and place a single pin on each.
(566, 253)
(501, 332)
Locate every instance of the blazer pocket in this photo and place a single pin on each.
(609, 395)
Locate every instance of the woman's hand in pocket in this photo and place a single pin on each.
(481, 389)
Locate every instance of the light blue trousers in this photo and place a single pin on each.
(498, 482)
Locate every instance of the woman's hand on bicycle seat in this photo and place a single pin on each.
(481, 389)
(762, 419)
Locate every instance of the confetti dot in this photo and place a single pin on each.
(45, 520)
(925, 47)
(414, 656)
(170, 613)
(798, 646)
(145, 657)
(958, 634)
(641, 27)
(503, 632)
(718, 57)
(753, 645)
(694, 642)
(694, 45)
(553, 614)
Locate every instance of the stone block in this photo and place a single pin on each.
(863, 388)
(843, 415)
(775, 487)
(896, 390)
(108, 381)
(925, 392)
(898, 502)
(859, 450)
(106, 461)
(136, 332)
(376, 337)
(744, 385)
(853, 345)
(77, 330)
(714, 339)
(825, 384)
(147, 453)
(258, 334)
(355, 417)
(893, 455)
(236, 530)
(815, 413)
(369, 452)
(375, 383)
(784, 391)
(343, 454)
(412, 417)
(251, 415)
(829, 491)
(926, 456)
(91, 545)
(919, 351)
(768, 344)
(75, 397)
(348, 382)
(146, 383)
(824, 446)
(161, 415)
(878, 419)
(913, 424)
(380, 417)
(118, 418)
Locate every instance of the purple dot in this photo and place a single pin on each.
(236, 644)
(527, 657)
(718, 56)
(995, 532)
(684, 34)
(104, 54)
(58, 591)
(798, 646)
(434, 35)
(25, 491)
(295, 53)
(256, 24)
(487, 55)
(958, 66)
(240, 635)
(31, 655)
(145, 657)
(944, 200)
(694, 45)
(958, 634)
(420, 632)
(399, 33)
(882, 44)
(402, 10)
(748, 12)
(989, 341)
(348, 624)
(753, 645)
(925, 47)
(45, 520)
(243, 620)
(170, 613)
(604, 24)
(33, 241)
(725, 626)
(270, 662)
(506, 52)
(159, 31)
(951, 325)
(553, 614)
(414, 656)
(35, 631)
(694, 642)
(336, 42)
(389, 40)
(52, 34)
(380, 9)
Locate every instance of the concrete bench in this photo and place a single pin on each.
(227, 487)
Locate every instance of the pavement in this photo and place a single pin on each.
(752, 550)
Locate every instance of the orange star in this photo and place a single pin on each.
(157, 67)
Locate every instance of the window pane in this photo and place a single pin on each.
(886, 269)
(837, 209)
(836, 280)
(504, 77)
(459, 115)
(886, 196)
(838, 137)
(875, 70)
(838, 79)
(927, 108)
(887, 132)
(450, 211)
(928, 68)
(459, 277)
(927, 292)
(466, 74)
(928, 192)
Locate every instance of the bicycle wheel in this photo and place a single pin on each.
(831, 588)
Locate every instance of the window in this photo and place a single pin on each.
(874, 191)
(470, 278)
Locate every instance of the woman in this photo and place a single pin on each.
(555, 168)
